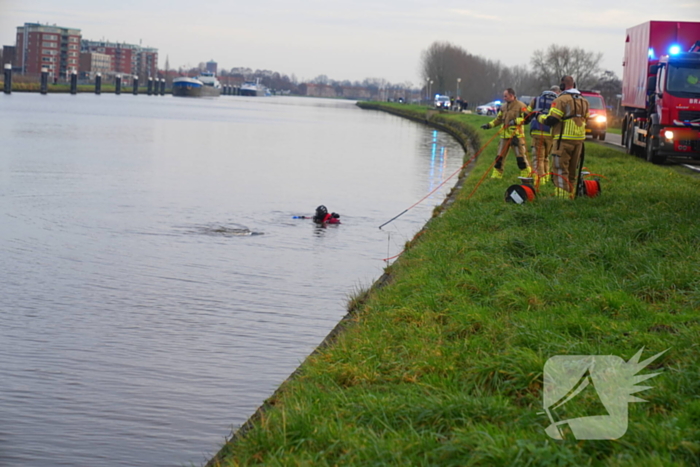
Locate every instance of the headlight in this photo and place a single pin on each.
(668, 134)
(601, 119)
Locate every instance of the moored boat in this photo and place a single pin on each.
(211, 85)
(250, 88)
(187, 87)
(205, 85)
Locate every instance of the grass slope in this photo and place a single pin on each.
(444, 366)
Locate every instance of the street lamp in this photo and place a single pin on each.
(459, 80)
(427, 90)
(430, 92)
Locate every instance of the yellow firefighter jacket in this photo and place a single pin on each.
(570, 110)
(512, 115)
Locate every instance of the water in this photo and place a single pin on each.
(139, 322)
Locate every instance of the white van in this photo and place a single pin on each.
(442, 102)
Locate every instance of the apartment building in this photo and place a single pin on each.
(127, 59)
(92, 63)
(147, 60)
(44, 46)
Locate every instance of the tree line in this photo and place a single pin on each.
(449, 69)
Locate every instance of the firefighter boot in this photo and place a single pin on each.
(496, 174)
(561, 193)
(526, 172)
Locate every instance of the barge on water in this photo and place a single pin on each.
(204, 85)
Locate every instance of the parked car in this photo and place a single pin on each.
(442, 102)
(597, 124)
(489, 109)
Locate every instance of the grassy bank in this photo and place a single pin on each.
(444, 365)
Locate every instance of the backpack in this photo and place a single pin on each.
(542, 104)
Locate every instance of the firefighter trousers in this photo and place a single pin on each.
(565, 156)
(541, 148)
(517, 145)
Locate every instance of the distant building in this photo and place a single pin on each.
(147, 61)
(127, 59)
(8, 55)
(212, 66)
(42, 46)
(320, 90)
(92, 63)
(354, 92)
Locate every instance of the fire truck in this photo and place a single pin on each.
(661, 90)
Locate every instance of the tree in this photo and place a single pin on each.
(453, 70)
(610, 86)
(559, 60)
(321, 79)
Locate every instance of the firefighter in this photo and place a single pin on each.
(512, 116)
(567, 117)
(541, 134)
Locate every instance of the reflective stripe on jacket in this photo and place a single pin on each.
(511, 112)
(571, 111)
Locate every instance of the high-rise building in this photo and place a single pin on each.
(43, 46)
(211, 66)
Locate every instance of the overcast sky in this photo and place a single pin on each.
(352, 39)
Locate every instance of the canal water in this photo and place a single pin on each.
(155, 287)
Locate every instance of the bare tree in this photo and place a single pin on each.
(455, 71)
(321, 79)
(610, 86)
(559, 60)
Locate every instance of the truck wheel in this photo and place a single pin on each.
(601, 136)
(628, 139)
(651, 154)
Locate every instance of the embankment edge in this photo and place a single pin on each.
(469, 140)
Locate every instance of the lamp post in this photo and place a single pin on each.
(430, 92)
(459, 80)
(427, 90)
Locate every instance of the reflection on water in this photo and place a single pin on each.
(156, 288)
(438, 161)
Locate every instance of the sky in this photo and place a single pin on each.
(351, 39)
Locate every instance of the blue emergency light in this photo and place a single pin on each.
(675, 49)
(651, 53)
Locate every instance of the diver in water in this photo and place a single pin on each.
(323, 217)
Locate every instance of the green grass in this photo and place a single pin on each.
(444, 365)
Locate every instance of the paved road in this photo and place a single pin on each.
(615, 141)
(611, 139)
